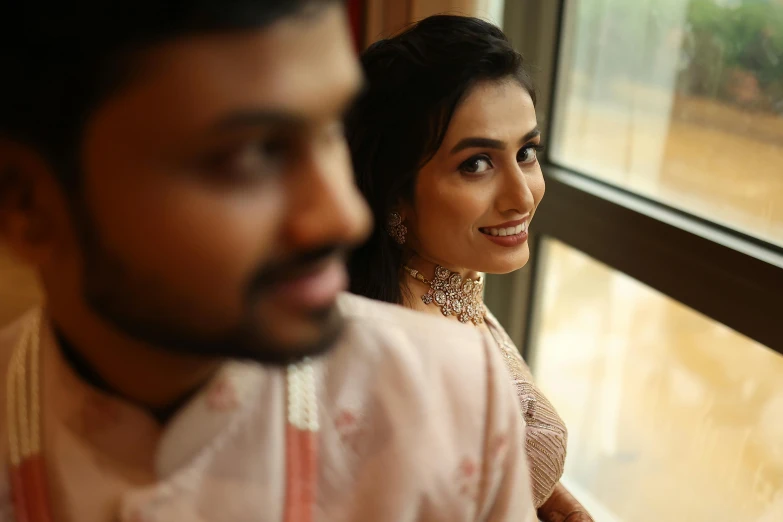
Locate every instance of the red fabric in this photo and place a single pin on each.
(301, 474)
(356, 15)
(17, 490)
(28, 488)
(36, 496)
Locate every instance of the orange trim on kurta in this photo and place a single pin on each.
(38, 498)
(17, 492)
(301, 474)
(29, 491)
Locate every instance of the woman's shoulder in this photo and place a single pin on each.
(500, 334)
(492, 321)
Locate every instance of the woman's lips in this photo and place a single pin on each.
(504, 231)
(508, 236)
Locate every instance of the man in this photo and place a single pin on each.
(176, 174)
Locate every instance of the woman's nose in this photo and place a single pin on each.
(515, 194)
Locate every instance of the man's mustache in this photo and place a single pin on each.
(266, 277)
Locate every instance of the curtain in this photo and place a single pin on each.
(387, 17)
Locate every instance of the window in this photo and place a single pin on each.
(671, 415)
(679, 100)
(650, 310)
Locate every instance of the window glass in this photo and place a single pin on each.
(671, 416)
(680, 101)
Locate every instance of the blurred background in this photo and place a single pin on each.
(652, 309)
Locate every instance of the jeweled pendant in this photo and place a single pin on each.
(453, 294)
(440, 297)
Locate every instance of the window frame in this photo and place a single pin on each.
(728, 276)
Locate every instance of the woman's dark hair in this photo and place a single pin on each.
(416, 81)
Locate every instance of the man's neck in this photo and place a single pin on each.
(153, 380)
(84, 370)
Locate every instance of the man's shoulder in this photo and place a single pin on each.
(9, 337)
(390, 319)
(397, 332)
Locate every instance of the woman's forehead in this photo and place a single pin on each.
(501, 110)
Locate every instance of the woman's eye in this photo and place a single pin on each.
(527, 155)
(475, 165)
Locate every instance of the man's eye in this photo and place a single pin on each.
(258, 159)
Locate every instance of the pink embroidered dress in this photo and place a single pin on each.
(546, 434)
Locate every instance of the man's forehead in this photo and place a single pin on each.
(303, 65)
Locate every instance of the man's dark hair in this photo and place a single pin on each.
(417, 80)
(59, 59)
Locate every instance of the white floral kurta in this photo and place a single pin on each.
(418, 423)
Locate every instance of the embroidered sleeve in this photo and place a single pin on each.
(546, 436)
(505, 489)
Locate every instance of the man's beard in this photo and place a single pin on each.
(143, 309)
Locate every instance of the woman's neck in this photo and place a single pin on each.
(427, 267)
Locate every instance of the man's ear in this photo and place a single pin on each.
(27, 219)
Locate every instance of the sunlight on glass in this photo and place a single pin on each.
(671, 416)
(678, 100)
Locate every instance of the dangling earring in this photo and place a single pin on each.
(395, 228)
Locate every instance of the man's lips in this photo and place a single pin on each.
(314, 288)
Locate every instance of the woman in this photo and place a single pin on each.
(444, 144)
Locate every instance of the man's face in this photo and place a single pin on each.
(218, 197)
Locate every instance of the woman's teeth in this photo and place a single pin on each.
(508, 231)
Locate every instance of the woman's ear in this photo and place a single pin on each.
(27, 221)
(395, 211)
(405, 210)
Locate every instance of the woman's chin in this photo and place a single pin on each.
(506, 264)
(503, 271)
(501, 268)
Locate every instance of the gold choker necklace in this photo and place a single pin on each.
(453, 295)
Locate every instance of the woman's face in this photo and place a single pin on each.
(475, 199)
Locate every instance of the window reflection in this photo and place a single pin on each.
(671, 416)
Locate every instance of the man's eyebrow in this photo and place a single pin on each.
(243, 118)
(253, 117)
